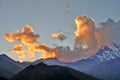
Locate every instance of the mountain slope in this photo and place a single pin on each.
(1, 78)
(109, 70)
(42, 71)
(8, 67)
(104, 54)
(105, 58)
(104, 65)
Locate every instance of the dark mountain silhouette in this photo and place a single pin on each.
(2, 78)
(42, 71)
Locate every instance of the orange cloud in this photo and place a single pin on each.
(29, 40)
(59, 36)
(85, 33)
(19, 49)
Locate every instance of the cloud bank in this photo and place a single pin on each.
(88, 39)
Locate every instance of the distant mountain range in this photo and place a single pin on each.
(104, 65)
(9, 67)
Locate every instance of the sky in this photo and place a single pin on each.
(51, 16)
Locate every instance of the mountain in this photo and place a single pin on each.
(49, 61)
(2, 78)
(101, 65)
(42, 71)
(104, 65)
(8, 67)
(108, 70)
(105, 53)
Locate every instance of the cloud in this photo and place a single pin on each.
(85, 33)
(67, 55)
(26, 36)
(46, 51)
(28, 39)
(19, 49)
(88, 39)
(110, 31)
(60, 36)
(67, 10)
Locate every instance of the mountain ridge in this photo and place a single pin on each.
(51, 72)
(107, 53)
(104, 55)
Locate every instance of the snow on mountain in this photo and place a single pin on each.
(104, 54)
(107, 53)
(104, 65)
(109, 66)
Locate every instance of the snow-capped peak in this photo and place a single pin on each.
(107, 53)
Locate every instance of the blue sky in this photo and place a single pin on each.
(50, 16)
